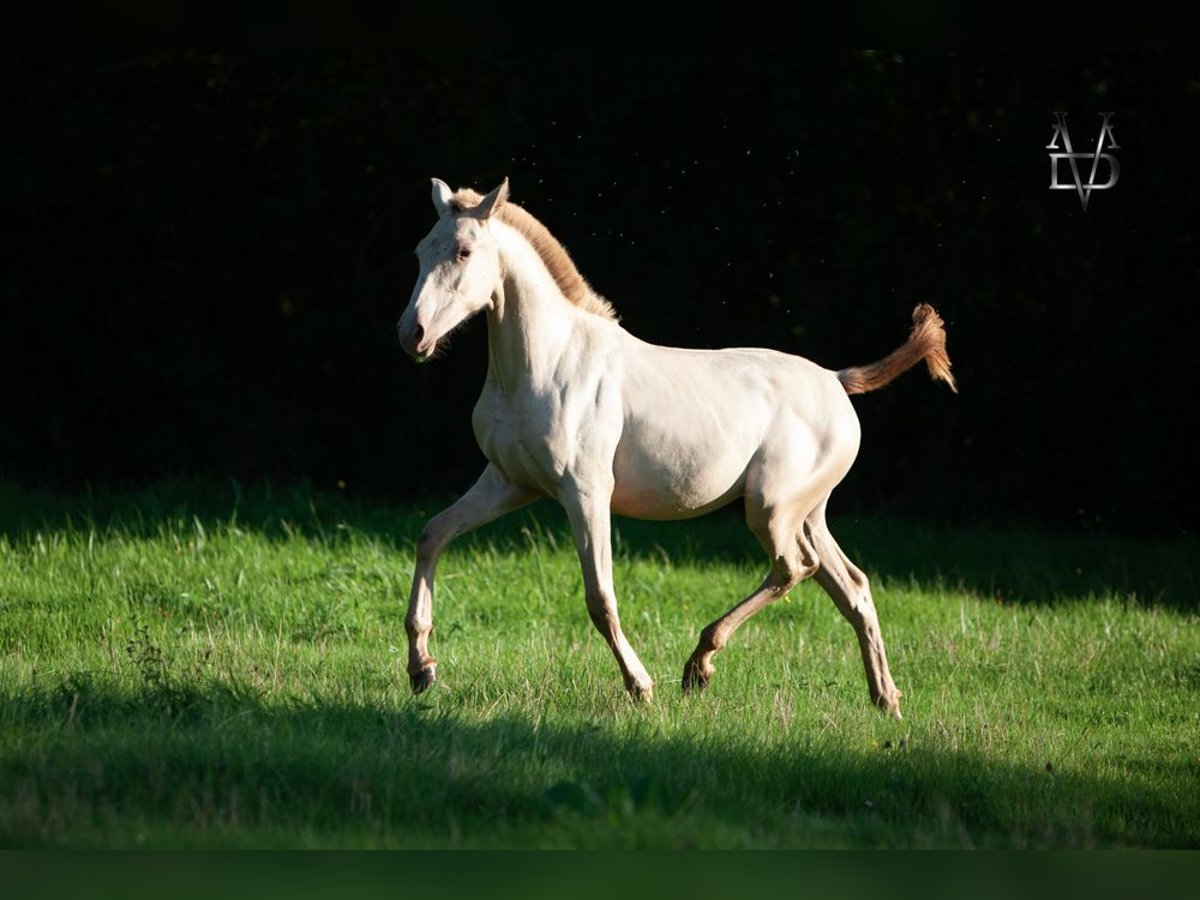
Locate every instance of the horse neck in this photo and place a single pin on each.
(530, 321)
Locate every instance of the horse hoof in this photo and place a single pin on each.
(424, 679)
(890, 707)
(695, 678)
(641, 694)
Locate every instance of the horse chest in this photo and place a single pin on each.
(534, 439)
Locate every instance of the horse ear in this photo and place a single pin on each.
(493, 201)
(442, 195)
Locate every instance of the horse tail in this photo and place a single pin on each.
(926, 341)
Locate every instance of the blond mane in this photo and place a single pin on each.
(553, 254)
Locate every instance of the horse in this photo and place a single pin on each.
(577, 409)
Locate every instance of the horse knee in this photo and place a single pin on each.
(431, 541)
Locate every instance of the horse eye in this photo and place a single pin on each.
(463, 252)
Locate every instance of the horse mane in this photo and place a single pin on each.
(553, 254)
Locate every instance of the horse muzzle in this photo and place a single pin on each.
(414, 340)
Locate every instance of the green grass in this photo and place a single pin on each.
(195, 665)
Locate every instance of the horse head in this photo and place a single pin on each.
(459, 269)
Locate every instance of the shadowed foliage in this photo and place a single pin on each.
(229, 768)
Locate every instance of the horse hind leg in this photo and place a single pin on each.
(846, 584)
(793, 559)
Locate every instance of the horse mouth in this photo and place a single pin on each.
(425, 350)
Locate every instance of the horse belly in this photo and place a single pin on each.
(676, 480)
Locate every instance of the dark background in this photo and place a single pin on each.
(205, 255)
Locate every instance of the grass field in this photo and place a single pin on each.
(201, 666)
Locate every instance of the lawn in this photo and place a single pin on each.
(202, 665)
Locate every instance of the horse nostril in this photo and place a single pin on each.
(418, 333)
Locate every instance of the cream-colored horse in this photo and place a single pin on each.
(576, 408)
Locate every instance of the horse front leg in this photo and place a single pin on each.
(490, 497)
(592, 528)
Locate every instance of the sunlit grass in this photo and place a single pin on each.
(199, 666)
